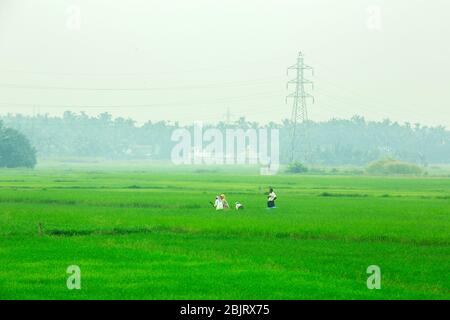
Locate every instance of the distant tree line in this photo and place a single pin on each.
(15, 149)
(334, 142)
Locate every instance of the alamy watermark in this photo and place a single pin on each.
(73, 18)
(228, 146)
(74, 280)
(374, 280)
(374, 18)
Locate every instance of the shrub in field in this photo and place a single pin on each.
(296, 167)
(391, 166)
(15, 149)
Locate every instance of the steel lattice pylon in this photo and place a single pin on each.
(299, 109)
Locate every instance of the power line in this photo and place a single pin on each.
(174, 103)
(373, 103)
(212, 85)
(222, 66)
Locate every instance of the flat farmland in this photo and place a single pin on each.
(138, 234)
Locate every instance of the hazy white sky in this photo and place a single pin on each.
(191, 60)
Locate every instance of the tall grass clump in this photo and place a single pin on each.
(296, 167)
(392, 166)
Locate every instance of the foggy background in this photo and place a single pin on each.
(192, 60)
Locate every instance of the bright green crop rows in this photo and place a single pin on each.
(153, 235)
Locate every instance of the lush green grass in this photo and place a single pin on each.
(151, 234)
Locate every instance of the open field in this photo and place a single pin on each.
(143, 234)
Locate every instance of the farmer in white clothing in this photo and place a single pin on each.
(218, 204)
(271, 199)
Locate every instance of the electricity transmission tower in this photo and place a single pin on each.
(299, 136)
(228, 116)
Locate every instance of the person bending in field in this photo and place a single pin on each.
(271, 199)
(224, 201)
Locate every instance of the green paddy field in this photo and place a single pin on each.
(140, 233)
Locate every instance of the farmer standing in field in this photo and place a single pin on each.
(271, 199)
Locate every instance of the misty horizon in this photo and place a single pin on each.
(187, 62)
